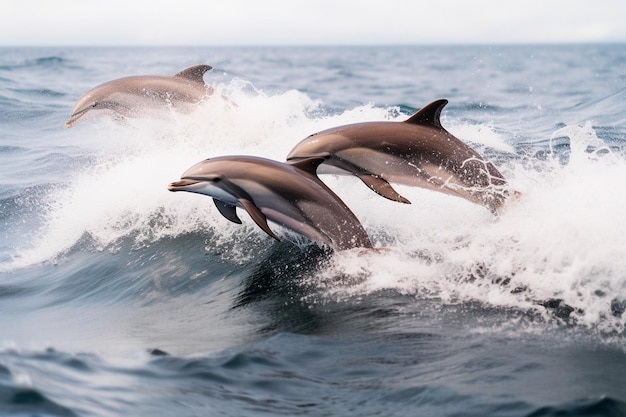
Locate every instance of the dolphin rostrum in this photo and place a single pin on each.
(132, 96)
(417, 152)
(290, 195)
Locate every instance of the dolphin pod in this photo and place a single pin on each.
(417, 152)
(288, 194)
(130, 96)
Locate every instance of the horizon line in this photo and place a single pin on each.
(305, 44)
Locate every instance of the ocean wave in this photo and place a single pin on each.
(609, 407)
(285, 374)
(22, 401)
(560, 240)
(37, 93)
(36, 62)
(48, 60)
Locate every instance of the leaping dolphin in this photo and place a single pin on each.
(288, 194)
(417, 152)
(132, 96)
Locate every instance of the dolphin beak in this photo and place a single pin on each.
(75, 116)
(181, 185)
(73, 119)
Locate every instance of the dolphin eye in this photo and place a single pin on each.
(214, 178)
(94, 104)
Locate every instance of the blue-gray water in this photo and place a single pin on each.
(120, 298)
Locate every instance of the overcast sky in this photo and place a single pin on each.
(309, 22)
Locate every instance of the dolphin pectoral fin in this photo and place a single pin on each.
(383, 188)
(195, 73)
(227, 210)
(310, 164)
(429, 114)
(258, 217)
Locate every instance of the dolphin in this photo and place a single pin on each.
(130, 96)
(417, 152)
(290, 195)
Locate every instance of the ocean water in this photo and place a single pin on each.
(118, 297)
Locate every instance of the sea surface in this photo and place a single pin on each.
(119, 298)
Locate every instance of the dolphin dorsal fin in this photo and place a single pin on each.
(258, 217)
(310, 164)
(429, 114)
(195, 73)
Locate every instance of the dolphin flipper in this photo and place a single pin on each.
(195, 73)
(258, 217)
(227, 210)
(382, 187)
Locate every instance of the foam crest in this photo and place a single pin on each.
(561, 240)
(123, 194)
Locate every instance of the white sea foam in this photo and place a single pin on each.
(563, 238)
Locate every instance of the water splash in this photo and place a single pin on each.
(561, 240)
(558, 247)
(122, 192)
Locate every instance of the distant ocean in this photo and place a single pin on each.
(119, 298)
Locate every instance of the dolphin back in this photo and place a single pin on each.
(140, 95)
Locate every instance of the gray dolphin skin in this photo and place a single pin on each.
(417, 152)
(290, 195)
(133, 96)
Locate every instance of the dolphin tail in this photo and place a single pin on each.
(382, 188)
(507, 198)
